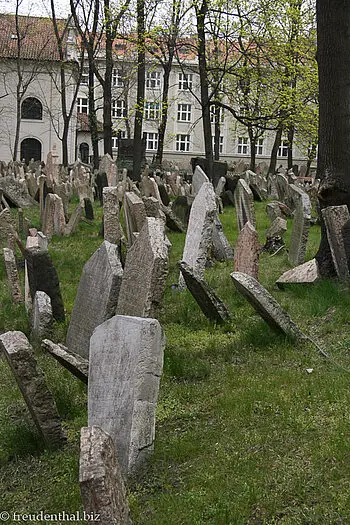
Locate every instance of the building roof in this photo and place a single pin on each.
(83, 123)
(36, 37)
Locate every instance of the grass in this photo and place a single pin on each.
(245, 434)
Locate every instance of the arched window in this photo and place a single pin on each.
(30, 149)
(84, 152)
(32, 109)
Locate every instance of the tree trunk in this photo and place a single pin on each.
(164, 113)
(252, 140)
(217, 132)
(92, 114)
(290, 146)
(274, 151)
(141, 73)
(333, 163)
(107, 84)
(18, 126)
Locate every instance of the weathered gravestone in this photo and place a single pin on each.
(53, 219)
(16, 192)
(12, 275)
(111, 224)
(181, 207)
(77, 365)
(42, 276)
(96, 298)
(101, 182)
(300, 230)
(199, 231)
(7, 229)
(199, 178)
(247, 251)
(282, 185)
(145, 272)
(109, 167)
(74, 220)
(335, 219)
(306, 273)
(277, 229)
(41, 315)
(207, 300)
(244, 204)
(89, 210)
(101, 482)
(32, 385)
(222, 250)
(135, 215)
(126, 362)
(265, 305)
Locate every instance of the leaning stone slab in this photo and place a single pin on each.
(244, 204)
(42, 315)
(207, 300)
(199, 231)
(32, 385)
(199, 178)
(12, 275)
(335, 219)
(126, 362)
(101, 482)
(54, 221)
(135, 215)
(277, 229)
(96, 298)
(7, 229)
(300, 230)
(172, 221)
(111, 224)
(145, 272)
(74, 220)
(265, 305)
(306, 273)
(247, 251)
(76, 364)
(16, 192)
(222, 249)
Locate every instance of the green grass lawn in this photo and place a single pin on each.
(244, 434)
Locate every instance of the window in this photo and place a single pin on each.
(151, 110)
(82, 105)
(30, 149)
(185, 81)
(151, 140)
(85, 76)
(283, 149)
(242, 147)
(32, 109)
(153, 79)
(118, 109)
(121, 134)
(184, 112)
(259, 147)
(117, 78)
(182, 142)
(221, 143)
(213, 114)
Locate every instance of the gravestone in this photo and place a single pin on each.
(222, 250)
(77, 365)
(306, 273)
(199, 178)
(135, 215)
(101, 182)
(277, 229)
(181, 207)
(219, 190)
(52, 166)
(7, 229)
(53, 219)
(109, 167)
(42, 276)
(152, 207)
(101, 481)
(12, 275)
(96, 298)
(282, 185)
(172, 221)
(265, 305)
(111, 224)
(210, 304)
(32, 385)
(300, 230)
(89, 210)
(244, 204)
(41, 316)
(125, 366)
(74, 220)
(247, 251)
(335, 219)
(199, 231)
(145, 272)
(16, 192)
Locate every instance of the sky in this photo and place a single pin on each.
(35, 7)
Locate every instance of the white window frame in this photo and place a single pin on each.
(243, 146)
(116, 138)
(283, 149)
(84, 81)
(185, 81)
(183, 142)
(117, 77)
(213, 114)
(152, 110)
(151, 140)
(82, 105)
(153, 79)
(221, 143)
(259, 147)
(118, 108)
(184, 112)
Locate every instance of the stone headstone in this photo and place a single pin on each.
(16, 192)
(135, 215)
(77, 365)
(335, 218)
(163, 194)
(7, 229)
(247, 251)
(199, 231)
(52, 166)
(222, 250)
(244, 204)
(12, 275)
(172, 221)
(101, 481)
(277, 228)
(101, 182)
(89, 210)
(181, 207)
(41, 316)
(282, 187)
(145, 272)
(111, 223)
(32, 385)
(199, 178)
(109, 167)
(219, 190)
(74, 220)
(265, 305)
(53, 220)
(207, 300)
(306, 273)
(96, 298)
(42, 276)
(125, 366)
(300, 230)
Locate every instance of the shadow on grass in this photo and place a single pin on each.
(19, 441)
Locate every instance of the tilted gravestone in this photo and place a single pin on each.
(247, 251)
(16, 192)
(244, 204)
(12, 275)
(109, 167)
(96, 298)
(199, 178)
(7, 229)
(77, 365)
(199, 231)
(101, 482)
(145, 272)
(89, 210)
(126, 362)
(222, 250)
(32, 385)
(135, 215)
(335, 219)
(300, 230)
(74, 220)
(111, 224)
(265, 305)
(42, 276)
(306, 273)
(41, 315)
(53, 220)
(278, 228)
